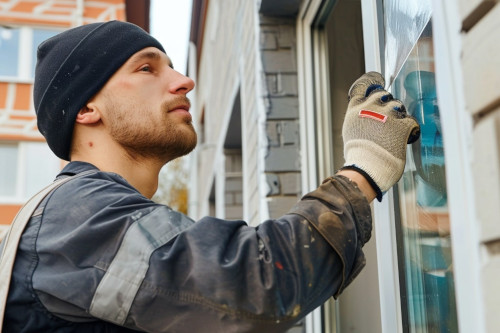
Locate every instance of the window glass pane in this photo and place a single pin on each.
(41, 167)
(424, 230)
(39, 35)
(9, 49)
(338, 48)
(8, 169)
(344, 48)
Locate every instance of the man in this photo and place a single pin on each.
(99, 256)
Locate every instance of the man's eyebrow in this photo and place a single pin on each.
(148, 55)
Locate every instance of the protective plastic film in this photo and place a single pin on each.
(404, 22)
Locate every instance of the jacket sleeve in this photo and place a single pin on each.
(154, 270)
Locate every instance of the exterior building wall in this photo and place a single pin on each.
(248, 65)
(219, 68)
(17, 116)
(61, 13)
(282, 159)
(262, 68)
(481, 73)
(251, 115)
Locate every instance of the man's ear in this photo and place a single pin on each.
(88, 115)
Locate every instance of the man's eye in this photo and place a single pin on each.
(145, 69)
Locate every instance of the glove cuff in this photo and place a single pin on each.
(382, 167)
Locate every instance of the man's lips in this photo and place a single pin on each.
(179, 108)
(179, 105)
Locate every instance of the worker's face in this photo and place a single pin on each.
(146, 109)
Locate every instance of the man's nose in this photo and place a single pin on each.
(180, 84)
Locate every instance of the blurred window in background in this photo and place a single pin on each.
(18, 47)
(26, 167)
(9, 52)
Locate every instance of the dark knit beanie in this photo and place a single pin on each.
(72, 67)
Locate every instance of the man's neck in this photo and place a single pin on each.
(141, 173)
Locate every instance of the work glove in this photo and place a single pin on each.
(376, 131)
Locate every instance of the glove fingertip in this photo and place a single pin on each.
(361, 86)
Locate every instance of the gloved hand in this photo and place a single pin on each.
(376, 130)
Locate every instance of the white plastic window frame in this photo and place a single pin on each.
(309, 158)
(457, 132)
(383, 217)
(317, 161)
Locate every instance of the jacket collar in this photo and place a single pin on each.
(76, 167)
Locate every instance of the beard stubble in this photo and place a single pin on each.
(143, 136)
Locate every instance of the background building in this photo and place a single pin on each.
(272, 77)
(26, 163)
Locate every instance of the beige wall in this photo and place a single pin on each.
(481, 73)
(228, 66)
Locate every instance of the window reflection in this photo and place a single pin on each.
(9, 46)
(428, 287)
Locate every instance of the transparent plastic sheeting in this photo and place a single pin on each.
(404, 22)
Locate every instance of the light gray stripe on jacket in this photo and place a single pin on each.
(116, 291)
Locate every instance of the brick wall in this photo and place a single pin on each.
(60, 13)
(230, 63)
(233, 195)
(282, 161)
(254, 57)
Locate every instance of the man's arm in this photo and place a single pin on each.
(361, 181)
(222, 275)
(139, 265)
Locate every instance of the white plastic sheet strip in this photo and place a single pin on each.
(404, 22)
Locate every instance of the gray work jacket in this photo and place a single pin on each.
(97, 256)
